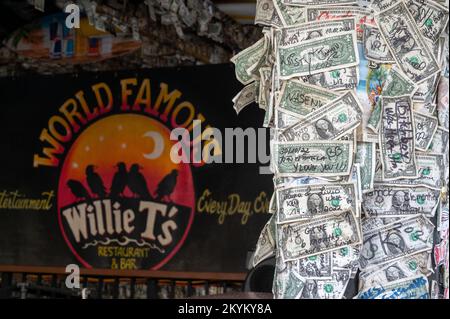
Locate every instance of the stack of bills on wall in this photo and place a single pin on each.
(355, 95)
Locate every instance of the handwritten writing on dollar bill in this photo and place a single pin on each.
(430, 168)
(301, 99)
(380, 5)
(395, 241)
(397, 201)
(306, 31)
(313, 56)
(312, 158)
(329, 122)
(362, 16)
(425, 128)
(309, 201)
(430, 16)
(375, 47)
(407, 45)
(410, 266)
(397, 138)
(339, 79)
(409, 288)
(300, 240)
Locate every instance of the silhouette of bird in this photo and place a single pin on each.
(78, 190)
(119, 181)
(137, 183)
(95, 182)
(167, 185)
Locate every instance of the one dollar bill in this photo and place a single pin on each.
(312, 158)
(329, 122)
(309, 201)
(406, 44)
(397, 138)
(313, 56)
(400, 201)
(300, 240)
(395, 241)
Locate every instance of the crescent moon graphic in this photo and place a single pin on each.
(159, 144)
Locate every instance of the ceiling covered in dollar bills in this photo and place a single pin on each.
(171, 32)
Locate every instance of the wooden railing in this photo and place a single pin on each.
(49, 282)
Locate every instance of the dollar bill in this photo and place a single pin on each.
(312, 158)
(289, 15)
(306, 31)
(380, 5)
(397, 138)
(266, 14)
(318, 2)
(374, 119)
(316, 267)
(300, 99)
(286, 182)
(333, 288)
(425, 108)
(309, 201)
(409, 288)
(342, 79)
(366, 158)
(329, 122)
(287, 282)
(425, 128)
(313, 56)
(426, 91)
(375, 47)
(369, 224)
(247, 58)
(389, 201)
(245, 97)
(440, 141)
(263, 96)
(397, 84)
(265, 246)
(430, 168)
(395, 241)
(355, 178)
(301, 240)
(406, 44)
(410, 266)
(362, 16)
(346, 257)
(284, 119)
(431, 17)
(294, 286)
